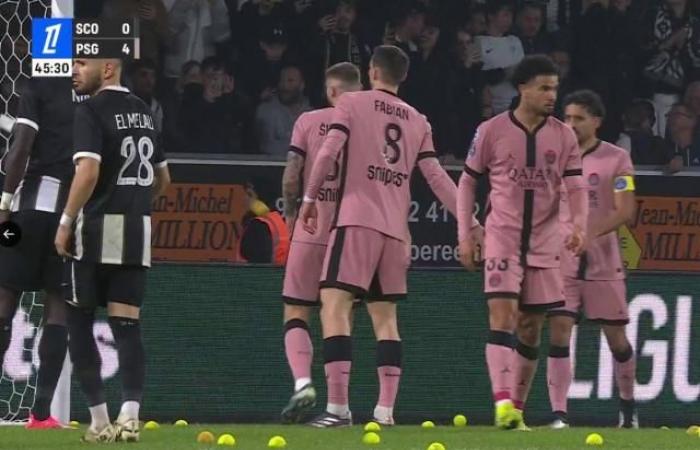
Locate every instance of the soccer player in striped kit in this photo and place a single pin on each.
(38, 175)
(119, 169)
(594, 283)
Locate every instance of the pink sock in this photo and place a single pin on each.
(524, 368)
(559, 378)
(498, 359)
(389, 379)
(300, 352)
(338, 381)
(625, 376)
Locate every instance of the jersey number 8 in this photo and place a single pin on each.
(144, 172)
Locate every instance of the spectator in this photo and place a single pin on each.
(562, 59)
(681, 127)
(476, 23)
(667, 35)
(173, 135)
(638, 135)
(257, 15)
(274, 119)
(214, 116)
(336, 42)
(692, 97)
(529, 23)
(604, 49)
(143, 81)
(196, 27)
(431, 79)
(500, 53)
(465, 107)
(405, 31)
(261, 74)
(153, 22)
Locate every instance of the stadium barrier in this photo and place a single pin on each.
(214, 341)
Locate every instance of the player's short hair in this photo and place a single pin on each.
(346, 72)
(213, 63)
(393, 63)
(532, 67)
(587, 99)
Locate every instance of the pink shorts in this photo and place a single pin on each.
(536, 289)
(603, 301)
(367, 263)
(303, 273)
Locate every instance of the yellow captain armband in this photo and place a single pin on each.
(624, 183)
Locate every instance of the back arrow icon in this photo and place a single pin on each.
(8, 234)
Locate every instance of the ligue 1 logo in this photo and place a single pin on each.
(52, 38)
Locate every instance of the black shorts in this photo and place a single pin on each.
(89, 285)
(32, 264)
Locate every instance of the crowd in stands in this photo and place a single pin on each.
(232, 76)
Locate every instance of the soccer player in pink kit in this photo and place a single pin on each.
(527, 155)
(379, 140)
(595, 281)
(306, 253)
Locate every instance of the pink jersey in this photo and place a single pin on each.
(381, 138)
(525, 171)
(605, 168)
(309, 132)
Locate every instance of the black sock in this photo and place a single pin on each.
(5, 336)
(132, 357)
(52, 353)
(86, 359)
(389, 353)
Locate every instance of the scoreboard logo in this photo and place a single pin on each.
(52, 38)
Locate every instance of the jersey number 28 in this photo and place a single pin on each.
(144, 172)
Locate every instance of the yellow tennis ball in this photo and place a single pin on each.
(436, 446)
(665, 427)
(181, 423)
(372, 426)
(371, 438)
(259, 208)
(74, 423)
(151, 425)
(428, 424)
(692, 430)
(205, 437)
(277, 442)
(226, 439)
(594, 439)
(459, 420)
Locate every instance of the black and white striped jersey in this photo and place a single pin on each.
(47, 104)
(116, 128)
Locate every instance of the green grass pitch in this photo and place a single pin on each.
(255, 437)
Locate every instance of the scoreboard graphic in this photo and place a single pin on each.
(56, 42)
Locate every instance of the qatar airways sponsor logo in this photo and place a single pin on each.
(531, 177)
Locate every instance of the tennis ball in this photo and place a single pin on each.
(428, 424)
(692, 430)
(226, 439)
(259, 208)
(460, 420)
(74, 424)
(371, 438)
(665, 427)
(181, 423)
(277, 442)
(436, 446)
(372, 426)
(205, 437)
(151, 425)
(594, 439)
